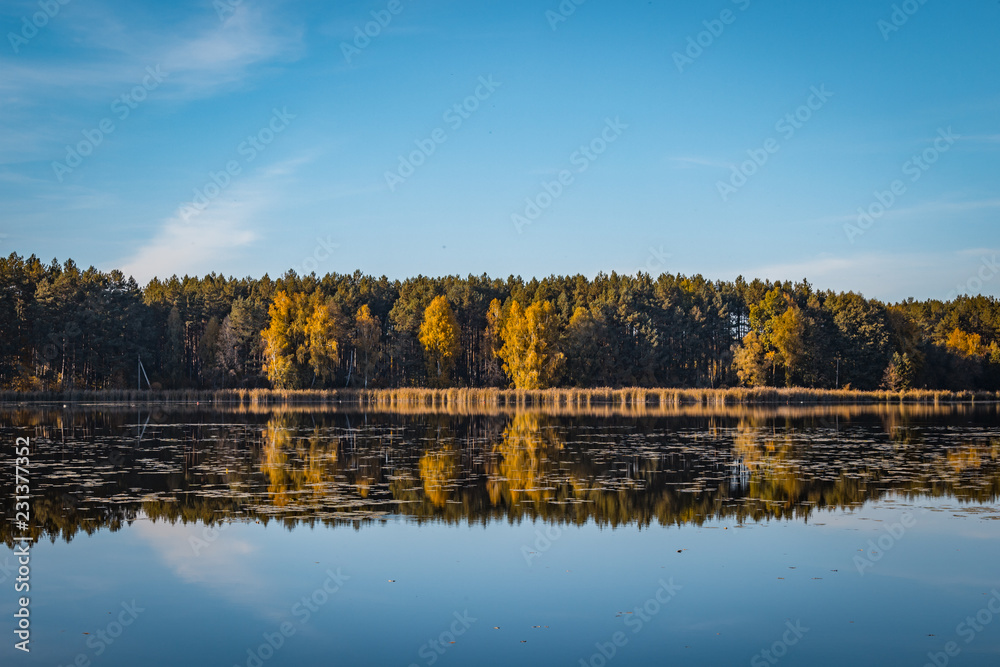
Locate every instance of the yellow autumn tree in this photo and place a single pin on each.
(284, 340)
(530, 345)
(788, 336)
(321, 338)
(777, 340)
(439, 336)
(965, 344)
(300, 342)
(752, 361)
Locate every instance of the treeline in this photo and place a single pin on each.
(65, 328)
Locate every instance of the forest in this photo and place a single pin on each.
(63, 328)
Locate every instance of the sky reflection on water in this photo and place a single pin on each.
(869, 541)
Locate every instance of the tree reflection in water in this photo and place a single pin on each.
(688, 465)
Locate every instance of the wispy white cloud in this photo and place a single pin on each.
(195, 245)
(228, 566)
(223, 56)
(197, 241)
(193, 558)
(937, 208)
(207, 54)
(201, 58)
(894, 276)
(982, 140)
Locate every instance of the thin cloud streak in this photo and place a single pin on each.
(886, 276)
(198, 242)
(918, 211)
(219, 55)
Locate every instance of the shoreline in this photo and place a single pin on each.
(633, 398)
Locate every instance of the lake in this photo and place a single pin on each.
(793, 535)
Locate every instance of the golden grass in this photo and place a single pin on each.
(631, 400)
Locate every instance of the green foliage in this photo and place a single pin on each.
(586, 344)
(865, 339)
(64, 328)
(367, 333)
(899, 373)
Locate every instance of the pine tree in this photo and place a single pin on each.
(367, 332)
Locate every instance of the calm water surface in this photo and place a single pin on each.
(735, 536)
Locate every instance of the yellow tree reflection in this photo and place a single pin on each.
(440, 471)
(298, 470)
(522, 469)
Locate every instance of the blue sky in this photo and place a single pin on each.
(254, 137)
